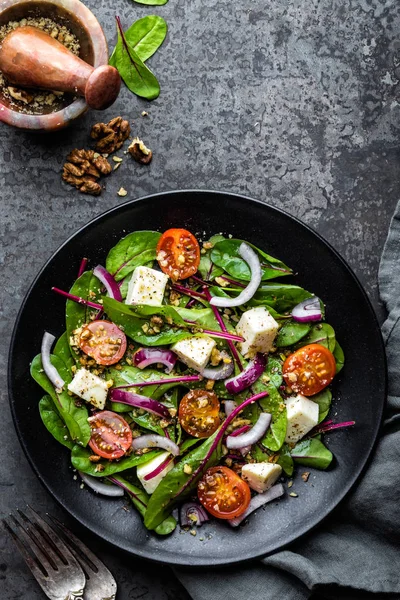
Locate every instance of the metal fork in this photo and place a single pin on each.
(100, 584)
(52, 564)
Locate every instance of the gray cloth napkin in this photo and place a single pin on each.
(356, 552)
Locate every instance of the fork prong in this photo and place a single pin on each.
(22, 541)
(46, 546)
(89, 559)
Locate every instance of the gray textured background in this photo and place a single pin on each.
(293, 102)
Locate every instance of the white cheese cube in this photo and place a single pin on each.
(195, 351)
(147, 467)
(261, 476)
(259, 330)
(147, 286)
(302, 416)
(89, 387)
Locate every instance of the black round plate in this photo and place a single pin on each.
(359, 391)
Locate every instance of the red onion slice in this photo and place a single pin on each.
(222, 371)
(246, 378)
(252, 436)
(101, 488)
(139, 401)
(308, 310)
(149, 356)
(108, 281)
(248, 255)
(158, 469)
(152, 440)
(273, 493)
(198, 513)
(230, 405)
(49, 369)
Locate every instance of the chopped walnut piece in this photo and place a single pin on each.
(140, 152)
(94, 458)
(305, 476)
(83, 168)
(19, 94)
(110, 136)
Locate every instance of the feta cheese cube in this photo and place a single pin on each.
(259, 330)
(195, 351)
(147, 286)
(261, 476)
(302, 416)
(89, 387)
(147, 467)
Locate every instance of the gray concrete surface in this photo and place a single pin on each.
(291, 102)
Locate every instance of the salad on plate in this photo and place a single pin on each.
(189, 377)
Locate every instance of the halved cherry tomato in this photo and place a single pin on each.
(178, 253)
(111, 434)
(103, 341)
(310, 369)
(223, 493)
(199, 413)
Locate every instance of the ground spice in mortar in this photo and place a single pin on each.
(31, 101)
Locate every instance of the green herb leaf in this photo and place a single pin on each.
(80, 461)
(312, 453)
(339, 357)
(291, 333)
(87, 287)
(135, 250)
(136, 76)
(145, 36)
(53, 422)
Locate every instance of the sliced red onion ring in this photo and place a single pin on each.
(308, 310)
(222, 371)
(148, 356)
(139, 401)
(194, 510)
(230, 405)
(101, 488)
(160, 468)
(248, 255)
(246, 378)
(273, 493)
(241, 430)
(108, 281)
(249, 438)
(152, 440)
(245, 450)
(49, 369)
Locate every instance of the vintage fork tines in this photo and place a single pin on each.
(50, 561)
(100, 584)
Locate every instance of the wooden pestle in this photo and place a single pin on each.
(31, 58)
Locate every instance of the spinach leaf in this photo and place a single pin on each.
(225, 254)
(150, 422)
(54, 423)
(323, 334)
(207, 269)
(80, 461)
(188, 443)
(323, 399)
(87, 287)
(291, 333)
(273, 370)
(279, 296)
(140, 500)
(129, 374)
(145, 36)
(274, 405)
(63, 351)
(177, 485)
(285, 460)
(134, 250)
(312, 453)
(137, 77)
(339, 357)
(75, 417)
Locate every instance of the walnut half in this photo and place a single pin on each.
(140, 152)
(110, 136)
(83, 168)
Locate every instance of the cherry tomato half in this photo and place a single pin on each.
(223, 493)
(178, 253)
(199, 413)
(310, 369)
(103, 341)
(111, 434)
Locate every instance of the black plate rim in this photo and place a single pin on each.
(337, 499)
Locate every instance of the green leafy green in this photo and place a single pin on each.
(53, 422)
(285, 460)
(339, 357)
(75, 417)
(137, 77)
(80, 461)
(207, 269)
(291, 333)
(177, 485)
(134, 250)
(281, 297)
(323, 334)
(273, 370)
(225, 255)
(274, 405)
(87, 287)
(63, 351)
(145, 36)
(312, 453)
(323, 399)
(133, 375)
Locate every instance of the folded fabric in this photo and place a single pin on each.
(356, 552)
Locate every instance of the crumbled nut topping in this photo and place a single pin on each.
(83, 168)
(140, 152)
